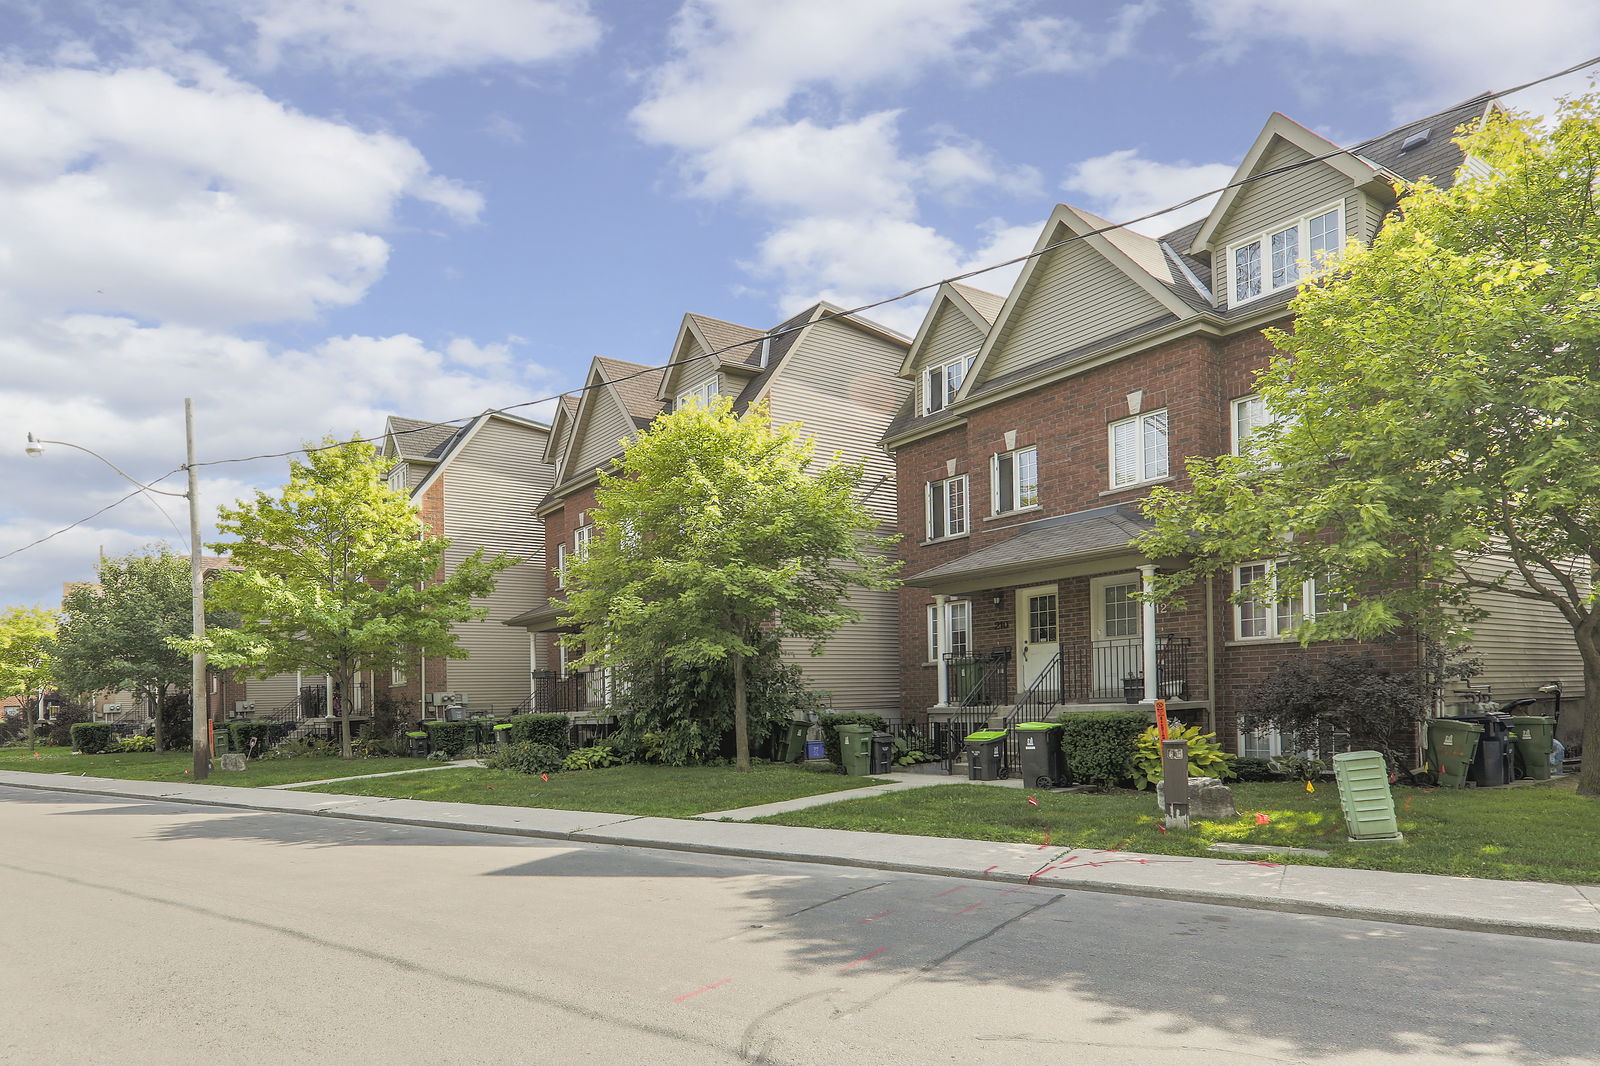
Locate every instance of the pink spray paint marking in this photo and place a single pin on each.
(996, 866)
(947, 891)
(964, 910)
(707, 988)
(875, 917)
(863, 959)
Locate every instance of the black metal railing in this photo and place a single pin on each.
(553, 694)
(978, 682)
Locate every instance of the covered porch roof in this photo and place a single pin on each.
(1059, 546)
(545, 619)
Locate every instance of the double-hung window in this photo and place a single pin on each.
(397, 477)
(1249, 415)
(701, 394)
(1271, 612)
(580, 541)
(949, 630)
(561, 566)
(1139, 448)
(1014, 477)
(1271, 262)
(947, 507)
(941, 383)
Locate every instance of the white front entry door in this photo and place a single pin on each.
(1037, 634)
(1114, 621)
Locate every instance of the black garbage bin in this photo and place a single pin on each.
(1040, 760)
(986, 754)
(882, 753)
(1493, 764)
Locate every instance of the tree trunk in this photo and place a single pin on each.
(741, 720)
(158, 697)
(1589, 776)
(343, 690)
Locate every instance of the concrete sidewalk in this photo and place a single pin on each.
(1556, 912)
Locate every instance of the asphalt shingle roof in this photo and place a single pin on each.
(636, 383)
(415, 439)
(1057, 539)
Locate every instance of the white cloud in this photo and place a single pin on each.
(1123, 185)
(421, 37)
(260, 212)
(757, 103)
(1436, 51)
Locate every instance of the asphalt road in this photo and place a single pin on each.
(141, 933)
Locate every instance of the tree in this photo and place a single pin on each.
(119, 635)
(1437, 409)
(27, 654)
(338, 576)
(714, 535)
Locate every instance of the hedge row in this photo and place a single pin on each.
(548, 729)
(830, 739)
(91, 738)
(1099, 745)
(265, 734)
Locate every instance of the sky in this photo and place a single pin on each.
(310, 214)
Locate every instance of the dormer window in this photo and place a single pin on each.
(397, 477)
(702, 394)
(1270, 262)
(941, 383)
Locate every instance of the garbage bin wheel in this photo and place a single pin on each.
(1425, 779)
(1043, 782)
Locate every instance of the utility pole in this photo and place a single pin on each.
(199, 698)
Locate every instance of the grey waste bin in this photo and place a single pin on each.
(1040, 760)
(1492, 764)
(882, 753)
(986, 754)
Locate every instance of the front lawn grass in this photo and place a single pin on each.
(659, 791)
(1542, 832)
(173, 766)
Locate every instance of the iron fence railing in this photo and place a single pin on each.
(554, 694)
(971, 681)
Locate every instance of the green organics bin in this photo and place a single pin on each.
(789, 741)
(855, 749)
(1535, 737)
(1451, 745)
(1364, 796)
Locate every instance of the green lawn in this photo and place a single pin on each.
(173, 766)
(662, 791)
(1528, 833)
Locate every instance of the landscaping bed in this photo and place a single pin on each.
(1543, 832)
(659, 791)
(175, 766)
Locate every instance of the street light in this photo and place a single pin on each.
(197, 681)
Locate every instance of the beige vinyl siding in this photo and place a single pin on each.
(1074, 297)
(270, 693)
(1282, 198)
(842, 385)
(490, 489)
(1523, 643)
(606, 424)
(952, 335)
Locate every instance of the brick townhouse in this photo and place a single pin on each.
(1040, 420)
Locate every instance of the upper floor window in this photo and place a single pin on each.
(1270, 262)
(702, 394)
(947, 507)
(1261, 616)
(561, 566)
(941, 383)
(580, 541)
(1014, 477)
(1249, 415)
(397, 477)
(1139, 448)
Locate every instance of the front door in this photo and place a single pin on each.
(1115, 616)
(1038, 641)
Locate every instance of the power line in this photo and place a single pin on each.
(769, 335)
(75, 525)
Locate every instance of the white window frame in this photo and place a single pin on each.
(1281, 618)
(397, 677)
(952, 525)
(1306, 259)
(1269, 744)
(703, 393)
(951, 377)
(580, 542)
(942, 618)
(1014, 477)
(1235, 408)
(397, 477)
(1141, 460)
(561, 565)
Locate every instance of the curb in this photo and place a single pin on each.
(1463, 923)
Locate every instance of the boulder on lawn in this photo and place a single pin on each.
(1209, 799)
(234, 761)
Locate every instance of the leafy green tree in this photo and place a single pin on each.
(27, 654)
(714, 534)
(119, 635)
(1437, 409)
(338, 576)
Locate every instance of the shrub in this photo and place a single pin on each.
(548, 729)
(1206, 757)
(451, 738)
(1099, 745)
(265, 735)
(1300, 767)
(177, 730)
(91, 738)
(597, 757)
(62, 719)
(1247, 769)
(304, 748)
(132, 744)
(526, 758)
(830, 739)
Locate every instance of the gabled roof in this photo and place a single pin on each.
(410, 438)
(738, 348)
(792, 332)
(960, 300)
(560, 428)
(462, 438)
(635, 386)
(986, 303)
(1438, 157)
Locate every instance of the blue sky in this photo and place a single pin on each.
(308, 214)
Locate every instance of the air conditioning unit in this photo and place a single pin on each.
(243, 707)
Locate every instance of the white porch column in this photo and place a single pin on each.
(943, 679)
(1152, 683)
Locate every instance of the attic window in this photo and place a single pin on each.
(1416, 140)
